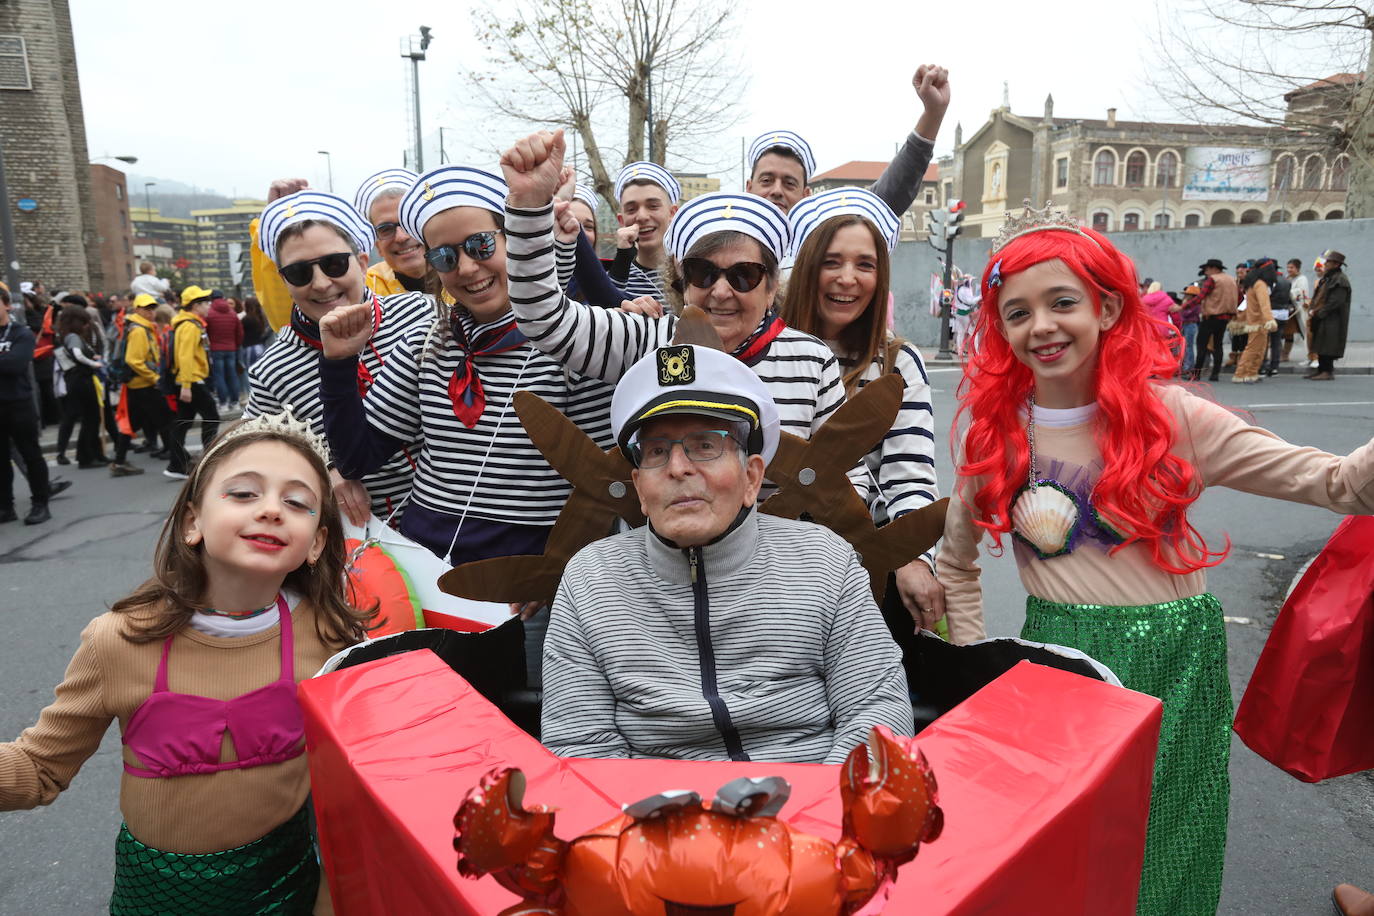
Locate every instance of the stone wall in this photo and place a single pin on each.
(45, 151)
(1170, 256)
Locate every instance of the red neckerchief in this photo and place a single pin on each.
(464, 387)
(756, 344)
(309, 331)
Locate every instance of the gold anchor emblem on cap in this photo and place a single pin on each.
(729, 212)
(381, 180)
(844, 199)
(429, 192)
(776, 139)
(290, 210)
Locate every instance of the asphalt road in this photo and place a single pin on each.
(1289, 842)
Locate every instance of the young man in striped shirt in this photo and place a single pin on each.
(713, 633)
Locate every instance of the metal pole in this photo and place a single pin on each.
(329, 161)
(648, 81)
(7, 230)
(443, 155)
(947, 308)
(415, 87)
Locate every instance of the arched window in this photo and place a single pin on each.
(1192, 220)
(1340, 174)
(1252, 216)
(1307, 216)
(1312, 174)
(1102, 221)
(1280, 216)
(1166, 171)
(1135, 169)
(1131, 222)
(1104, 168)
(1162, 220)
(1283, 173)
(1336, 214)
(1223, 218)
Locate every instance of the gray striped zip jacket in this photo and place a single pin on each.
(765, 645)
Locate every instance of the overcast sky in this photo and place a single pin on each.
(229, 96)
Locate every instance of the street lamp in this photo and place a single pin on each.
(148, 198)
(415, 56)
(329, 160)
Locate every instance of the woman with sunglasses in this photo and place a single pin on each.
(482, 488)
(723, 255)
(842, 243)
(319, 244)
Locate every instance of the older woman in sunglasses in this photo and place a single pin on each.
(319, 244)
(842, 244)
(724, 251)
(482, 489)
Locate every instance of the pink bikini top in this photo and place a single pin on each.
(179, 734)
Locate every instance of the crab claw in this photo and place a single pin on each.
(495, 832)
(888, 793)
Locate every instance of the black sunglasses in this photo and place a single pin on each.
(302, 272)
(386, 230)
(742, 277)
(479, 246)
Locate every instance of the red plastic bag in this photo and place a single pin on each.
(1309, 709)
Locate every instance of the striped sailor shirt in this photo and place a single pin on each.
(491, 471)
(800, 371)
(288, 372)
(764, 645)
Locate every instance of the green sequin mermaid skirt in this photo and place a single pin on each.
(277, 874)
(1177, 652)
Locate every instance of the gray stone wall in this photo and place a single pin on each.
(45, 150)
(1169, 256)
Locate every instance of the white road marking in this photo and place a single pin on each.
(1270, 556)
(1243, 621)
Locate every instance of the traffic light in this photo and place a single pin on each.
(954, 220)
(935, 229)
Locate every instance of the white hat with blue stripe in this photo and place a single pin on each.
(447, 187)
(788, 140)
(374, 185)
(724, 211)
(811, 211)
(313, 205)
(648, 171)
(588, 197)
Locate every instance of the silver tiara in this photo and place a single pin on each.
(1042, 220)
(280, 424)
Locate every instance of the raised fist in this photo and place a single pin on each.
(346, 330)
(533, 168)
(284, 186)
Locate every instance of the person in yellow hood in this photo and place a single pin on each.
(148, 409)
(190, 369)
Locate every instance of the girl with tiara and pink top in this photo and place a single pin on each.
(200, 666)
(1068, 441)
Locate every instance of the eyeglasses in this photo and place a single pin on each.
(302, 272)
(706, 445)
(386, 230)
(479, 246)
(742, 277)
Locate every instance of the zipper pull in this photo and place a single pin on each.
(693, 555)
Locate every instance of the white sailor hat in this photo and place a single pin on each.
(688, 379)
(447, 187)
(373, 186)
(315, 205)
(648, 171)
(816, 209)
(724, 211)
(588, 197)
(788, 141)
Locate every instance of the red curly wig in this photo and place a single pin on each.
(1145, 489)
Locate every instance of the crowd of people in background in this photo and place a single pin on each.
(118, 374)
(1264, 310)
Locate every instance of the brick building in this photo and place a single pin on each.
(113, 228)
(44, 136)
(862, 173)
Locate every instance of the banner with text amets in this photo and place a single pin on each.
(1225, 173)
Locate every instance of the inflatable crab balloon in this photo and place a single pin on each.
(673, 854)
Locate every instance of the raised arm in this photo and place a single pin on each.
(901, 180)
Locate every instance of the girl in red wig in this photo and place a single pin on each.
(1068, 444)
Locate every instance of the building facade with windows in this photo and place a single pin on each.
(212, 249)
(862, 173)
(695, 184)
(1128, 175)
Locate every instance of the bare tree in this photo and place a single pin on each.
(1301, 68)
(589, 64)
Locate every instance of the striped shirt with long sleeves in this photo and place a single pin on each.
(288, 372)
(638, 282)
(491, 471)
(777, 653)
(800, 371)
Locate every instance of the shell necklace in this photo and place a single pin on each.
(1046, 515)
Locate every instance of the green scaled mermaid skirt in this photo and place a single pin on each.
(1175, 651)
(277, 874)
